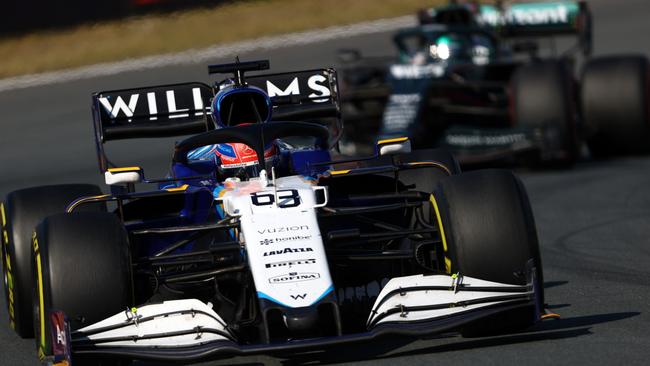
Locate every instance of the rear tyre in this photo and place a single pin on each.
(614, 98)
(544, 99)
(21, 212)
(83, 268)
(490, 234)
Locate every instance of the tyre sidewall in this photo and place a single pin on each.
(544, 99)
(24, 209)
(84, 271)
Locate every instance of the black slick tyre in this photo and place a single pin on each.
(614, 100)
(490, 234)
(82, 267)
(543, 99)
(21, 212)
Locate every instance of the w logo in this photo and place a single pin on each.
(296, 297)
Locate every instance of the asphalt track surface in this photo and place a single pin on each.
(593, 221)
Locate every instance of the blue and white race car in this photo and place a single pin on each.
(267, 245)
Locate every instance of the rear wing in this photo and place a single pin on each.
(310, 96)
(531, 19)
(185, 109)
(537, 19)
(303, 95)
(156, 111)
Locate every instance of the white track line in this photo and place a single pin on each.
(194, 56)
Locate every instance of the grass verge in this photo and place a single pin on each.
(157, 34)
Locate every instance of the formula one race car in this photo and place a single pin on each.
(285, 252)
(472, 78)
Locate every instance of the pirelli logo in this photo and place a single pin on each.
(290, 263)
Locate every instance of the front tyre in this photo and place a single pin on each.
(489, 234)
(21, 212)
(81, 267)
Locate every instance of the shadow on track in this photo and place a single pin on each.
(551, 329)
(551, 284)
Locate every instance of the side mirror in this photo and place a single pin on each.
(126, 175)
(399, 145)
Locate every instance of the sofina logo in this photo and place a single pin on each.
(294, 277)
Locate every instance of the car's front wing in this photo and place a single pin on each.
(189, 330)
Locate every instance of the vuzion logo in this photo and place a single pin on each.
(282, 229)
(294, 277)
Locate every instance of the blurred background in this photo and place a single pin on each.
(30, 15)
(593, 220)
(41, 35)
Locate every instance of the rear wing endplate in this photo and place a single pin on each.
(185, 109)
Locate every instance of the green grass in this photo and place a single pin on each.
(157, 34)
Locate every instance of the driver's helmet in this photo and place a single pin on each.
(240, 160)
(233, 106)
(476, 48)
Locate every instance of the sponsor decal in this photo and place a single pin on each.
(119, 107)
(287, 250)
(300, 296)
(294, 277)
(283, 229)
(401, 111)
(290, 263)
(528, 14)
(473, 140)
(314, 83)
(416, 71)
(229, 165)
(285, 239)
